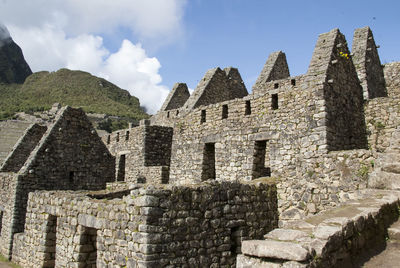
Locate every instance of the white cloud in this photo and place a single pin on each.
(133, 70)
(155, 19)
(67, 33)
(130, 68)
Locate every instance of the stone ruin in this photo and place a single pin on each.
(302, 172)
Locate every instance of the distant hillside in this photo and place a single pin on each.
(74, 88)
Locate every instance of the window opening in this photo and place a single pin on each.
(248, 108)
(208, 162)
(88, 247)
(261, 160)
(50, 241)
(1, 220)
(224, 111)
(71, 177)
(274, 102)
(203, 116)
(121, 168)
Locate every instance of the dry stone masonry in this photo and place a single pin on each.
(68, 155)
(178, 226)
(331, 239)
(201, 182)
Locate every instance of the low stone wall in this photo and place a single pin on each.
(152, 226)
(8, 182)
(331, 239)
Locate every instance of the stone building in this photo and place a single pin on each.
(214, 168)
(67, 155)
(309, 133)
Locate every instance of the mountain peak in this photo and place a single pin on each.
(13, 67)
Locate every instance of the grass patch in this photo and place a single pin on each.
(4, 259)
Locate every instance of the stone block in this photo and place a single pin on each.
(275, 249)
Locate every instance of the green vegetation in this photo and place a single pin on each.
(4, 259)
(363, 171)
(111, 125)
(74, 88)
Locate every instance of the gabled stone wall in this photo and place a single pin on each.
(342, 93)
(70, 155)
(368, 65)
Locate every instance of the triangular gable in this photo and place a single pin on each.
(331, 66)
(368, 65)
(237, 88)
(217, 86)
(176, 98)
(71, 148)
(275, 68)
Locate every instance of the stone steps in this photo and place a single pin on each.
(330, 238)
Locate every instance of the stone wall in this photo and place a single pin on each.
(22, 149)
(323, 182)
(140, 148)
(179, 226)
(235, 136)
(392, 78)
(8, 183)
(382, 116)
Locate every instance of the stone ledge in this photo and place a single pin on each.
(275, 249)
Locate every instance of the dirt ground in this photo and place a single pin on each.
(388, 258)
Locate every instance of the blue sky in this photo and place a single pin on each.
(145, 46)
(243, 33)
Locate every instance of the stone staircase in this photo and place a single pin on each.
(339, 237)
(10, 132)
